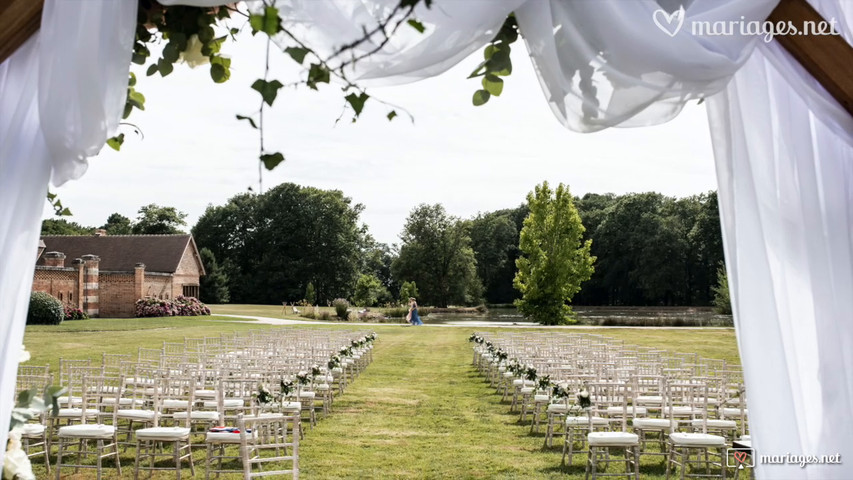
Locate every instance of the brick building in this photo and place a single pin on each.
(108, 273)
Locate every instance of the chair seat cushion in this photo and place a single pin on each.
(162, 433)
(584, 420)
(686, 410)
(322, 387)
(558, 408)
(65, 400)
(197, 415)
(123, 402)
(222, 437)
(307, 395)
(714, 423)
(732, 412)
(32, 430)
(337, 370)
(617, 410)
(76, 412)
(697, 439)
(613, 438)
(541, 398)
(653, 399)
(227, 403)
(174, 403)
(133, 414)
(655, 423)
(205, 394)
(98, 431)
(140, 381)
(291, 406)
(526, 390)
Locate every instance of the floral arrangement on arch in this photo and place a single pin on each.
(302, 378)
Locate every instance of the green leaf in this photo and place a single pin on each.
(268, 23)
(297, 53)
(131, 82)
(271, 160)
(492, 84)
(357, 102)
(151, 70)
(116, 142)
(250, 119)
(138, 59)
(500, 63)
(164, 67)
(218, 73)
(180, 39)
(128, 109)
(64, 213)
(268, 90)
(317, 74)
(416, 25)
(136, 99)
(391, 115)
(171, 53)
(481, 97)
(489, 51)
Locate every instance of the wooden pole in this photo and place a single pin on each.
(19, 20)
(828, 58)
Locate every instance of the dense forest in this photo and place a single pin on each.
(295, 242)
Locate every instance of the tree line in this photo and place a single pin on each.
(297, 243)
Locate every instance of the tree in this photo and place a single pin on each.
(310, 294)
(368, 291)
(213, 286)
(118, 224)
(722, 299)
(494, 239)
(555, 259)
(273, 245)
(156, 220)
(408, 290)
(61, 226)
(436, 253)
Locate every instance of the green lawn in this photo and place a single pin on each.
(419, 411)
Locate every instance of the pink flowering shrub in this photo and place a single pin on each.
(74, 313)
(179, 307)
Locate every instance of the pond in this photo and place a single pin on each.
(598, 316)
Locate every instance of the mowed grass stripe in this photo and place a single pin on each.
(422, 411)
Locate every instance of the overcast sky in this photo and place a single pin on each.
(471, 159)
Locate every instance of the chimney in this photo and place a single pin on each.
(100, 232)
(54, 259)
(139, 280)
(90, 284)
(79, 291)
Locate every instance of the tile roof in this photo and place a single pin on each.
(159, 253)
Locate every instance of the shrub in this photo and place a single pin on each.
(74, 313)
(45, 310)
(180, 306)
(341, 307)
(722, 301)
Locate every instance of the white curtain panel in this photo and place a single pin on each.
(784, 187)
(784, 154)
(61, 95)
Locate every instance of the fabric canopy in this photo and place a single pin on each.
(782, 147)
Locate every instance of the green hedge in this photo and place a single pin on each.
(45, 310)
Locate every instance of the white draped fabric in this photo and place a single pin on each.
(785, 187)
(61, 95)
(784, 154)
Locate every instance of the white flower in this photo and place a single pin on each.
(192, 55)
(25, 355)
(16, 462)
(583, 394)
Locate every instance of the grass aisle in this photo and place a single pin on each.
(422, 411)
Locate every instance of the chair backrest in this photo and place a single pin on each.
(688, 400)
(267, 444)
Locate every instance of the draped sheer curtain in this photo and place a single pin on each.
(781, 144)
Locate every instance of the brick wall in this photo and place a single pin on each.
(117, 294)
(158, 286)
(187, 272)
(61, 283)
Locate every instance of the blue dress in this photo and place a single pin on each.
(416, 319)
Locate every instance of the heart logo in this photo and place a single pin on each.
(740, 457)
(669, 23)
